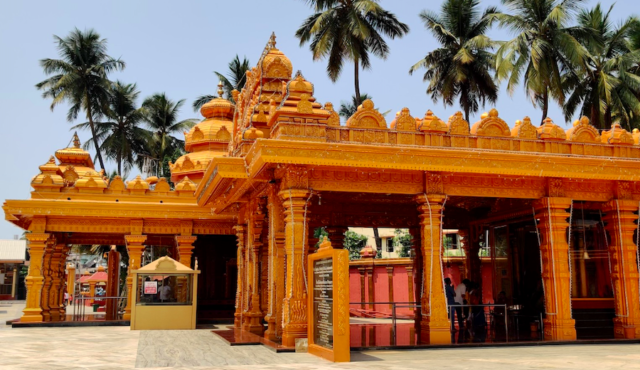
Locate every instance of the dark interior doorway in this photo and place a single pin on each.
(218, 278)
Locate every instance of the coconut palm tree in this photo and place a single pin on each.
(80, 77)
(235, 79)
(544, 47)
(349, 30)
(604, 86)
(462, 66)
(122, 137)
(161, 115)
(348, 109)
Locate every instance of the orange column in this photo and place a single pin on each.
(253, 317)
(295, 301)
(240, 289)
(57, 281)
(620, 220)
(553, 216)
(34, 280)
(434, 325)
(276, 265)
(47, 274)
(135, 249)
(185, 248)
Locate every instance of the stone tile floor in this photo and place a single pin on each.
(102, 348)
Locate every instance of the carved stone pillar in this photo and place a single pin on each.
(185, 248)
(553, 222)
(240, 289)
(434, 322)
(63, 283)
(135, 248)
(253, 317)
(34, 280)
(113, 282)
(295, 301)
(47, 274)
(276, 265)
(336, 235)
(620, 220)
(58, 258)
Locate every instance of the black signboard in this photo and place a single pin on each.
(323, 302)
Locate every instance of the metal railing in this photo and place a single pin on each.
(81, 303)
(480, 323)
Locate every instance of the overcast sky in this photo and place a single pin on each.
(174, 47)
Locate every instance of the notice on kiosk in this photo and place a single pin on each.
(323, 303)
(150, 287)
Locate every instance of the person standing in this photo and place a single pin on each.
(461, 291)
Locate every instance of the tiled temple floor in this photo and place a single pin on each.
(102, 348)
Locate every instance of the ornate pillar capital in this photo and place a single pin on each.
(35, 279)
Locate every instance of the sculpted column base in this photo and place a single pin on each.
(135, 249)
(558, 329)
(270, 333)
(434, 332)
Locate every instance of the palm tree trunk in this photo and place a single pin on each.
(356, 77)
(545, 105)
(93, 134)
(376, 236)
(119, 160)
(465, 102)
(608, 120)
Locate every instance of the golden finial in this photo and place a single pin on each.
(272, 40)
(220, 91)
(76, 140)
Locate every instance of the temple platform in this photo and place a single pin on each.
(235, 337)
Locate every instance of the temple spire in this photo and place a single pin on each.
(76, 140)
(220, 90)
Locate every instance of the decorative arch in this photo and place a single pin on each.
(551, 131)
(457, 125)
(70, 176)
(197, 134)
(276, 68)
(583, 132)
(334, 118)
(117, 184)
(223, 134)
(404, 121)
(367, 117)
(162, 186)
(431, 123)
(491, 125)
(617, 135)
(524, 130)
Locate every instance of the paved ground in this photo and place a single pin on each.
(101, 348)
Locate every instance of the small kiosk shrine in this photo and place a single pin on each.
(165, 296)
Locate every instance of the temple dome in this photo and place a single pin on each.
(209, 138)
(274, 63)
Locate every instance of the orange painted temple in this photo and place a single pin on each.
(557, 208)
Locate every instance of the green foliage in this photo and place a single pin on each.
(348, 109)
(80, 77)
(544, 47)
(605, 85)
(461, 67)
(349, 31)
(123, 139)
(354, 242)
(234, 80)
(403, 241)
(161, 116)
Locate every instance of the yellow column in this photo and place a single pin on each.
(135, 249)
(71, 280)
(434, 325)
(275, 285)
(620, 220)
(47, 274)
(253, 317)
(185, 247)
(240, 288)
(92, 291)
(553, 216)
(34, 280)
(295, 301)
(14, 284)
(58, 258)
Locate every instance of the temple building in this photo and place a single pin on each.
(549, 215)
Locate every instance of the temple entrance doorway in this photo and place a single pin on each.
(217, 281)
